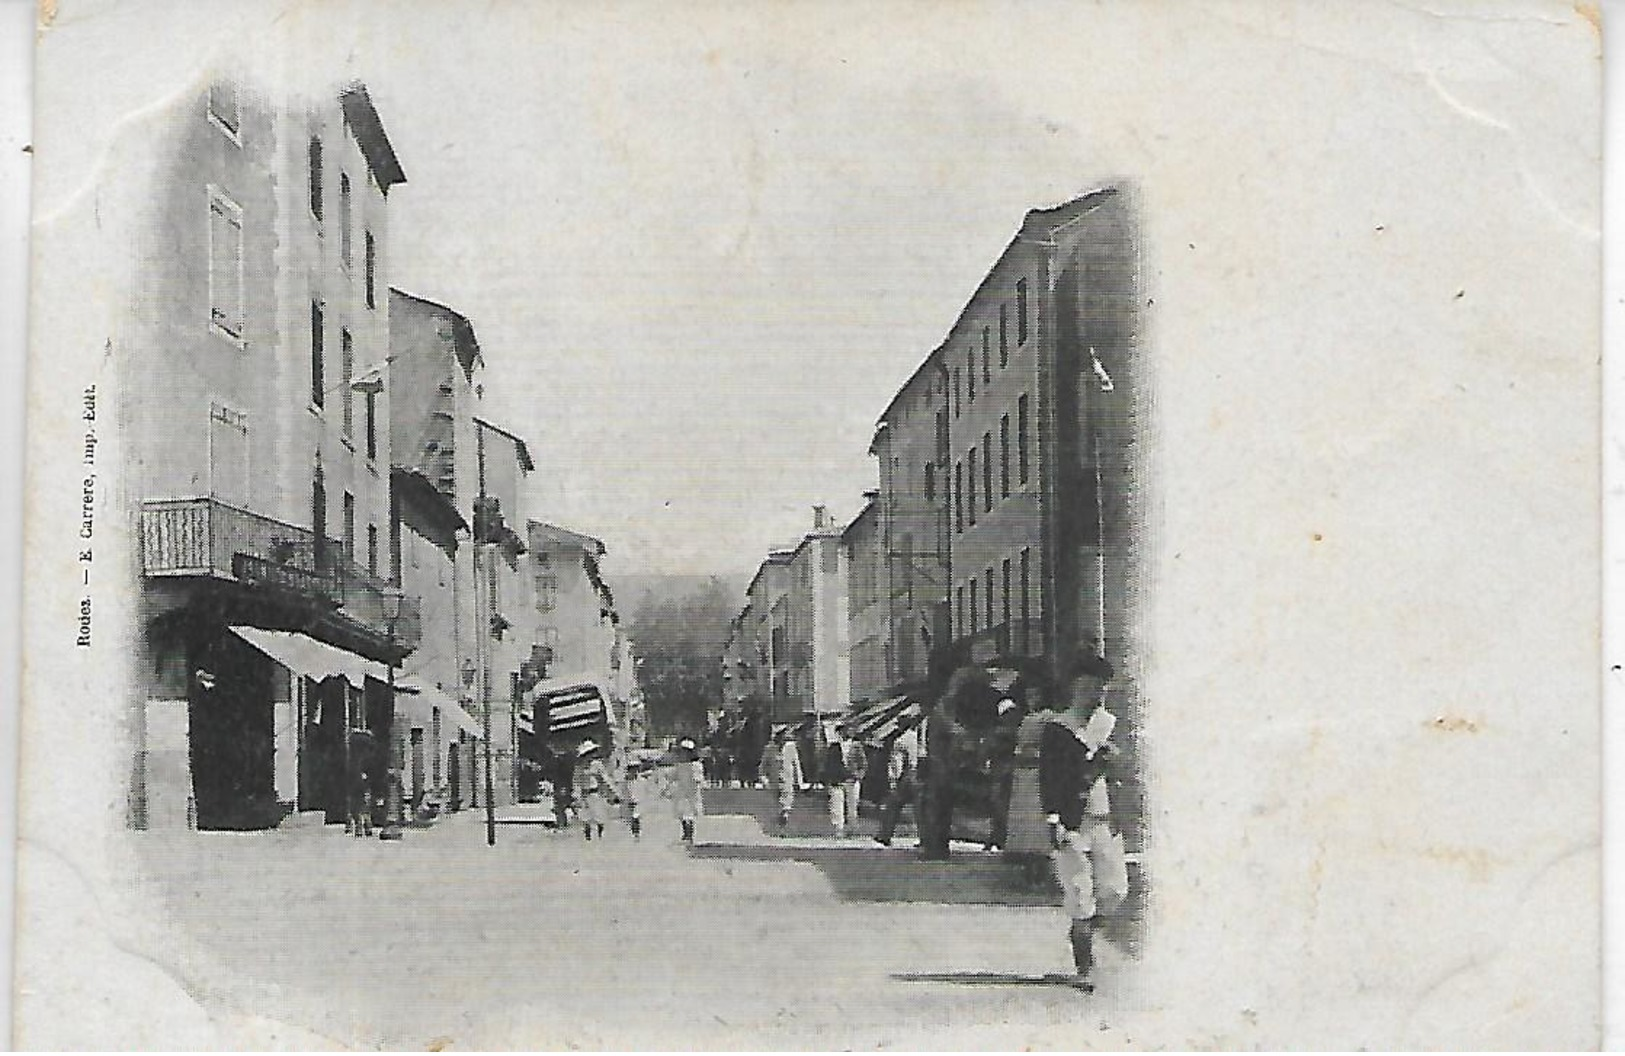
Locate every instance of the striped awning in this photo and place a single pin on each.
(881, 723)
(569, 710)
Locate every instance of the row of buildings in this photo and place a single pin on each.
(1009, 510)
(342, 586)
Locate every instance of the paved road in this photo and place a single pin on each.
(549, 941)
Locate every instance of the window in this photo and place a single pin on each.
(987, 472)
(344, 219)
(316, 177)
(1026, 606)
(942, 437)
(370, 265)
(223, 107)
(956, 392)
(395, 545)
(987, 361)
(987, 580)
(1021, 312)
(1004, 611)
(975, 609)
(970, 489)
(346, 376)
(372, 549)
(1004, 457)
(318, 516)
(228, 454)
(970, 376)
(959, 610)
(930, 482)
(547, 583)
(318, 341)
(226, 265)
(1004, 334)
(371, 424)
(959, 496)
(1021, 440)
(349, 527)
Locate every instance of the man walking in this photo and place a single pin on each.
(841, 782)
(1072, 786)
(901, 769)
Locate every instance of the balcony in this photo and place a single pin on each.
(206, 537)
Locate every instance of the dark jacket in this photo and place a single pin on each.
(835, 770)
(1065, 774)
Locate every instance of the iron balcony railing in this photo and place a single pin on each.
(207, 537)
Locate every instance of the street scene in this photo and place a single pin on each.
(395, 677)
(726, 526)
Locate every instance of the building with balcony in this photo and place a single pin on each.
(269, 619)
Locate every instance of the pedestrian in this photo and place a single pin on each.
(687, 782)
(593, 787)
(902, 765)
(1088, 858)
(856, 760)
(640, 790)
(1000, 747)
(361, 802)
(790, 776)
(838, 780)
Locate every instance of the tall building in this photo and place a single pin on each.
(816, 622)
(868, 605)
(503, 599)
(766, 633)
(261, 327)
(914, 519)
(437, 368)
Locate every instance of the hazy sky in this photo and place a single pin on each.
(702, 251)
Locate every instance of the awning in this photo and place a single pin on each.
(569, 709)
(417, 703)
(304, 655)
(886, 723)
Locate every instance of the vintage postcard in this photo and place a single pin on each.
(738, 526)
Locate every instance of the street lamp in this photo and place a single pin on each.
(393, 603)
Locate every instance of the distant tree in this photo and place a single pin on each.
(680, 636)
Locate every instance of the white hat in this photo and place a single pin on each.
(686, 742)
(588, 745)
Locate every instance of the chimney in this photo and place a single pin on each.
(820, 517)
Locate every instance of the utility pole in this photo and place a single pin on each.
(482, 628)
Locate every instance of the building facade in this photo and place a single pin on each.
(868, 605)
(437, 370)
(914, 519)
(503, 601)
(269, 619)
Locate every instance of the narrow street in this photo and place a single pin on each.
(549, 941)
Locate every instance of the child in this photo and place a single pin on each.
(640, 789)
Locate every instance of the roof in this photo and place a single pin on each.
(540, 531)
(1038, 226)
(466, 344)
(364, 121)
(774, 557)
(870, 506)
(525, 462)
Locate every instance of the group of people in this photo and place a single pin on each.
(597, 790)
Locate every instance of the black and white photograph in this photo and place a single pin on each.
(800, 526)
